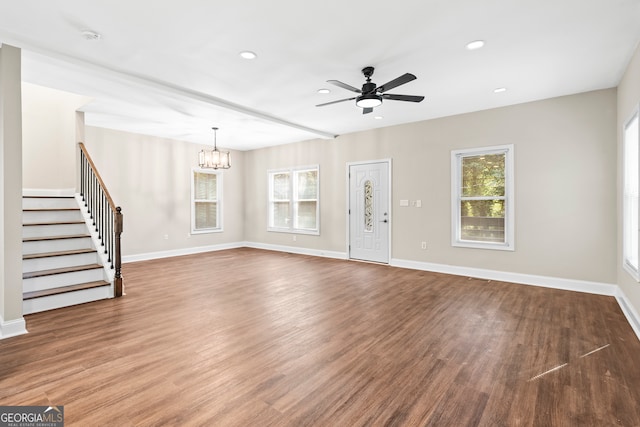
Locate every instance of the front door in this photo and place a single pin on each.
(369, 213)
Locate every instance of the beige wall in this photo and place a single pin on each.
(150, 178)
(565, 160)
(628, 99)
(49, 137)
(11, 320)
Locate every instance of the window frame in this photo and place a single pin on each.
(509, 199)
(292, 200)
(218, 201)
(626, 233)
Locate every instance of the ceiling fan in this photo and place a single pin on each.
(371, 95)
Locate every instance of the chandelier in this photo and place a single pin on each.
(214, 159)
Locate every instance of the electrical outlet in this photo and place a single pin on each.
(166, 237)
(295, 238)
(424, 245)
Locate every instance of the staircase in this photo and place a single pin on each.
(61, 266)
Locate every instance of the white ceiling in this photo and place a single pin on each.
(172, 69)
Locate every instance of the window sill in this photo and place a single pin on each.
(479, 245)
(294, 231)
(207, 231)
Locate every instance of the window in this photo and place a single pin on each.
(294, 200)
(206, 205)
(631, 183)
(482, 198)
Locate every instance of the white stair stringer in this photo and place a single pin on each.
(110, 273)
(61, 266)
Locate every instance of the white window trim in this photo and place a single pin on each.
(456, 177)
(635, 115)
(291, 229)
(219, 200)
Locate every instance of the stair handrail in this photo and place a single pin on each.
(106, 216)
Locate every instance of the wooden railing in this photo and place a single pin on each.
(106, 216)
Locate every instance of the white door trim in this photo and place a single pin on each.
(348, 201)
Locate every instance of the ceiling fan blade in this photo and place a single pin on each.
(344, 86)
(405, 78)
(410, 98)
(335, 102)
(367, 110)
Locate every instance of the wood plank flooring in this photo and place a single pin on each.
(256, 338)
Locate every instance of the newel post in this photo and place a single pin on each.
(118, 286)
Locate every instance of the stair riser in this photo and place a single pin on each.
(49, 202)
(43, 246)
(50, 263)
(29, 217)
(64, 279)
(63, 300)
(51, 230)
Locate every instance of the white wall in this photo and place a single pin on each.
(565, 160)
(150, 178)
(628, 99)
(49, 137)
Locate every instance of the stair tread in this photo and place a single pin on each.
(64, 289)
(58, 253)
(53, 271)
(69, 236)
(54, 223)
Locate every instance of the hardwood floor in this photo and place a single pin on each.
(255, 338)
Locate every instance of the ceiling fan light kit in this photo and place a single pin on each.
(368, 101)
(371, 96)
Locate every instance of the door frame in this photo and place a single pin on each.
(389, 163)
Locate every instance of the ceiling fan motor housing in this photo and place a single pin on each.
(369, 87)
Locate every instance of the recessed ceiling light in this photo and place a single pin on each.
(500, 90)
(91, 35)
(476, 44)
(378, 117)
(324, 90)
(247, 54)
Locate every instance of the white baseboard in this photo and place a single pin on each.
(180, 252)
(503, 276)
(629, 312)
(48, 192)
(12, 328)
(297, 250)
